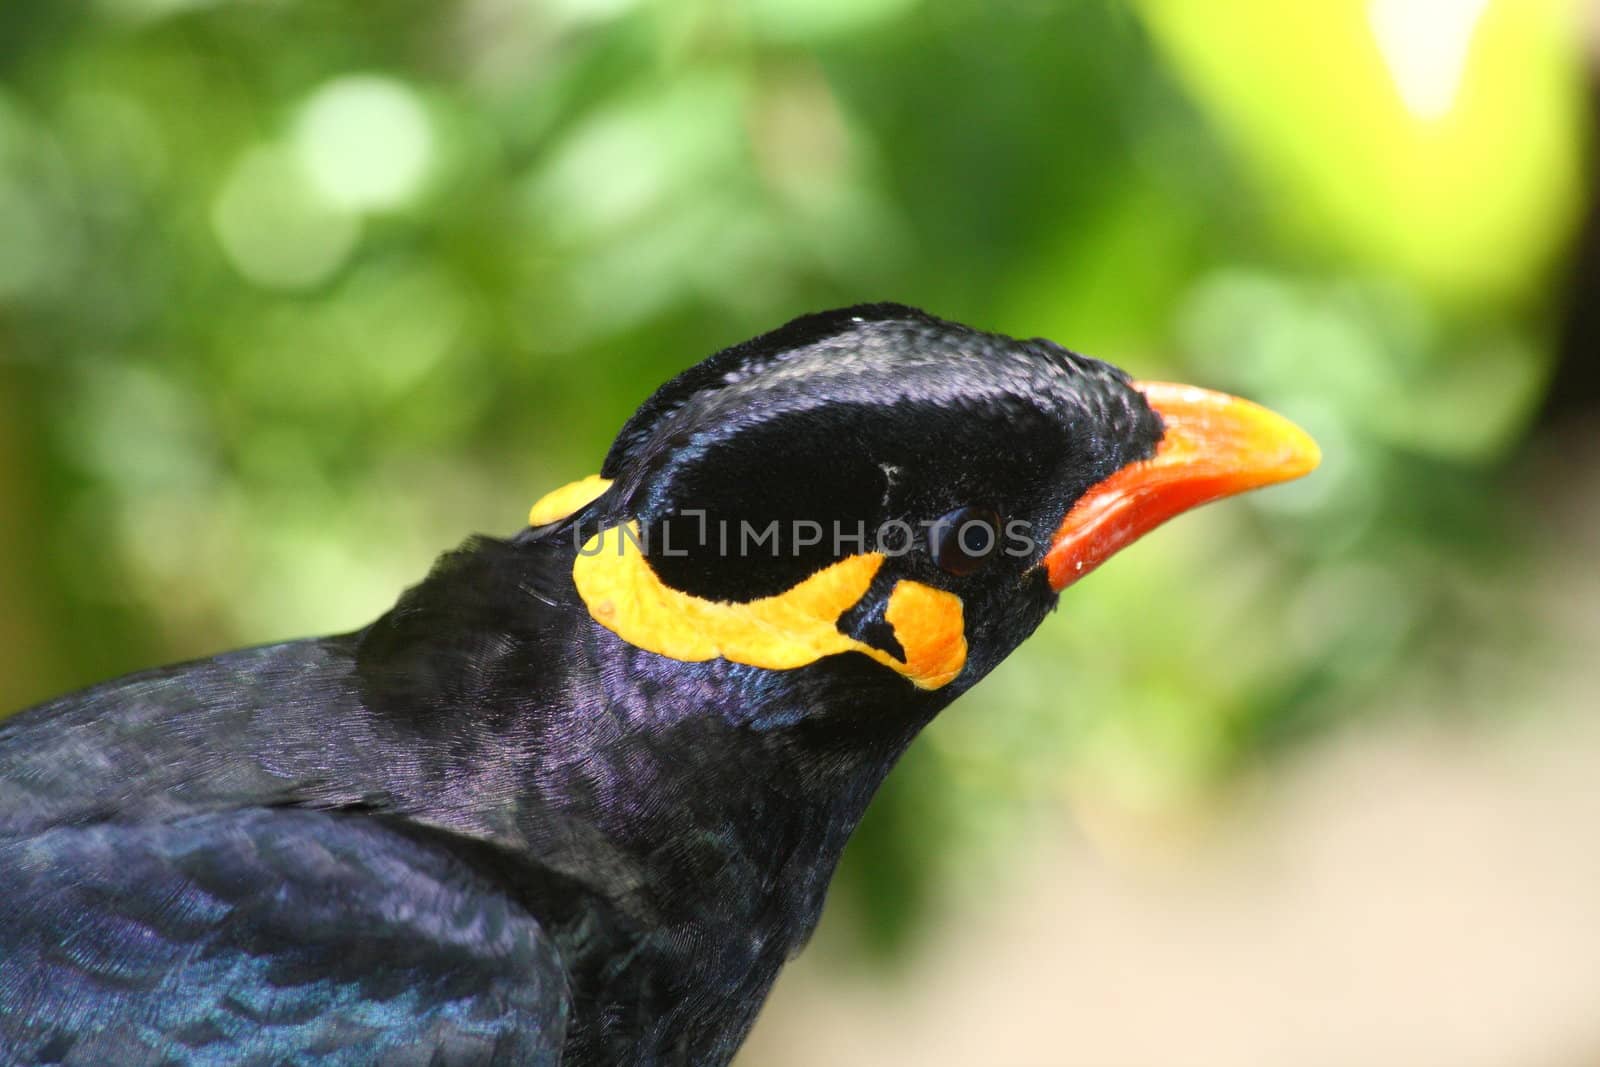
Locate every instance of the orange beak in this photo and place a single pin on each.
(1214, 446)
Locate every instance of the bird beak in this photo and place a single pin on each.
(1214, 446)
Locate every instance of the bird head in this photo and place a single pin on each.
(876, 496)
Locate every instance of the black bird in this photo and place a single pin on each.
(578, 796)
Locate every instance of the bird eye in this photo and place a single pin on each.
(962, 539)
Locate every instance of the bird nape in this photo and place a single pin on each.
(578, 795)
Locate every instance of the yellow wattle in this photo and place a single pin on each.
(557, 504)
(780, 632)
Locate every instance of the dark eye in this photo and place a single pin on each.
(962, 539)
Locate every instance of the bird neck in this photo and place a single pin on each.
(721, 793)
(712, 832)
(708, 799)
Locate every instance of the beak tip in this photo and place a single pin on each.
(1300, 456)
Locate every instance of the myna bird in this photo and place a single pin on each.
(579, 794)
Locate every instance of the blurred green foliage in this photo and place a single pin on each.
(294, 295)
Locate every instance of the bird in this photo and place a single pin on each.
(578, 795)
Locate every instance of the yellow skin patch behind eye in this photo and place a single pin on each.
(557, 504)
(781, 632)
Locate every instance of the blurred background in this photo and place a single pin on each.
(295, 295)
